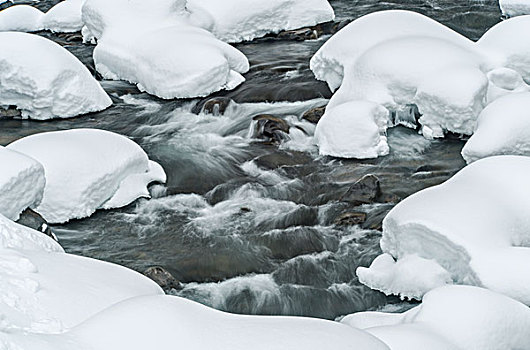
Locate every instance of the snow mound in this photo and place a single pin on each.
(21, 18)
(475, 226)
(346, 46)
(157, 47)
(41, 291)
(444, 80)
(162, 321)
(452, 318)
(504, 81)
(88, 169)
(231, 21)
(65, 17)
(44, 80)
(503, 127)
(512, 8)
(21, 183)
(353, 130)
(503, 46)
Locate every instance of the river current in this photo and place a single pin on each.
(249, 226)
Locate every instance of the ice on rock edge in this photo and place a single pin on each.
(21, 183)
(353, 130)
(511, 8)
(452, 318)
(503, 128)
(88, 169)
(138, 323)
(231, 21)
(44, 80)
(157, 47)
(345, 47)
(474, 226)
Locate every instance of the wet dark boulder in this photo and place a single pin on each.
(350, 219)
(270, 128)
(34, 220)
(215, 106)
(163, 278)
(314, 114)
(367, 190)
(299, 34)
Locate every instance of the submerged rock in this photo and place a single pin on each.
(10, 112)
(351, 218)
(270, 128)
(299, 34)
(163, 278)
(314, 114)
(365, 191)
(216, 106)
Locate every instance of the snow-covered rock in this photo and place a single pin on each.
(15, 236)
(346, 46)
(21, 183)
(163, 321)
(21, 18)
(512, 8)
(504, 45)
(64, 17)
(475, 226)
(503, 127)
(88, 169)
(452, 318)
(157, 47)
(504, 81)
(443, 79)
(44, 80)
(236, 20)
(353, 130)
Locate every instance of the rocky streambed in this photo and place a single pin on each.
(252, 220)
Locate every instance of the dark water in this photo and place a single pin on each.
(249, 227)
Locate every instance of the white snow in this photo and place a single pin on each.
(157, 47)
(503, 46)
(511, 8)
(162, 321)
(443, 79)
(64, 17)
(346, 46)
(88, 169)
(475, 226)
(21, 18)
(21, 183)
(353, 130)
(452, 318)
(44, 80)
(504, 81)
(503, 127)
(236, 20)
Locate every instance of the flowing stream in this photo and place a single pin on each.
(248, 226)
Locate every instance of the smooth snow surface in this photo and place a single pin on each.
(503, 127)
(502, 44)
(345, 47)
(475, 226)
(44, 80)
(163, 321)
(157, 47)
(21, 183)
(236, 20)
(353, 130)
(21, 18)
(511, 8)
(88, 169)
(452, 318)
(64, 17)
